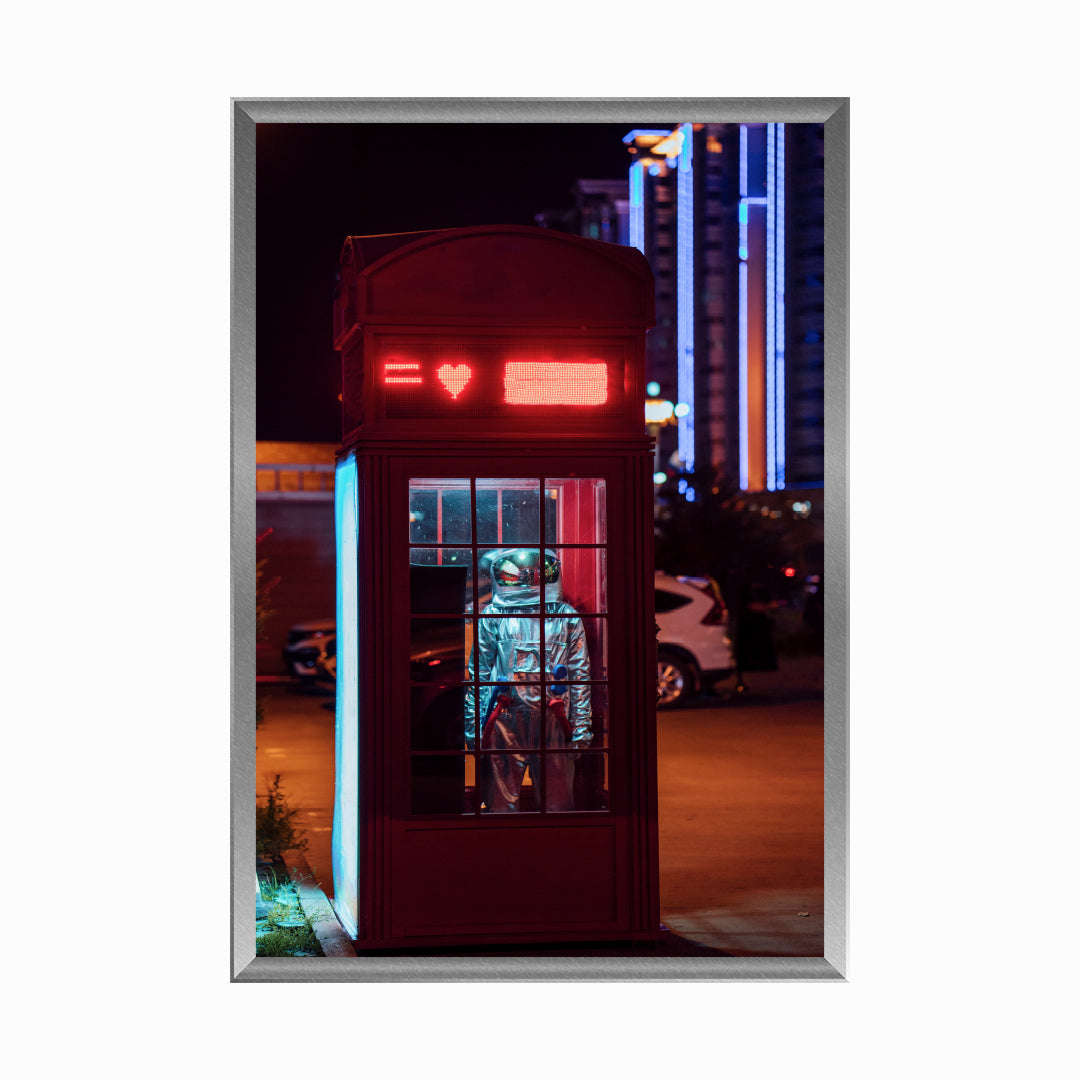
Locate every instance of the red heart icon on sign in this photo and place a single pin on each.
(454, 377)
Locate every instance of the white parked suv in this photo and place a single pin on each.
(694, 649)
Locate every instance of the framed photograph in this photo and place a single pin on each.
(539, 474)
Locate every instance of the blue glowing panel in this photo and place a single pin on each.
(637, 208)
(345, 837)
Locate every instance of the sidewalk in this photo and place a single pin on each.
(741, 815)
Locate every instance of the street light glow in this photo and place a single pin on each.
(658, 411)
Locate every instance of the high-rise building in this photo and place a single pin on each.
(600, 211)
(731, 219)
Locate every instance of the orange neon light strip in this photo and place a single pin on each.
(554, 383)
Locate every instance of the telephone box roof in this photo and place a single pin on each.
(506, 274)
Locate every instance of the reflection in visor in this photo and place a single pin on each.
(507, 570)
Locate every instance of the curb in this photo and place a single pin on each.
(317, 908)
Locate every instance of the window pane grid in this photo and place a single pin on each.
(550, 789)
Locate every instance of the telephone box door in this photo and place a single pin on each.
(510, 776)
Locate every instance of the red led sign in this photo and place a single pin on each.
(525, 382)
(485, 380)
(529, 383)
(454, 377)
(395, 379)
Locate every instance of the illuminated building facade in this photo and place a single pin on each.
(731, 219)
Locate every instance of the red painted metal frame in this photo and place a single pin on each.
(602, 293)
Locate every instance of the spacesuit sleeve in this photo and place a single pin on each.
(484, 648)
(580, 695)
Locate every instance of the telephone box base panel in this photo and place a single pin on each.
(461, 882)
(504, 944)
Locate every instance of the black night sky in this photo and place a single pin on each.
(318, 183)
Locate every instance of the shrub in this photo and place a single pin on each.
(275, 830)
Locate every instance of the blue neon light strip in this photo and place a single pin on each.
(685, 345)
(770, 307)
(744, 168)
(637, 207)
(781, 420)
(630, 136)
(345, 835)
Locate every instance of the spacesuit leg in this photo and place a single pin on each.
(559, 775)
(505, 772)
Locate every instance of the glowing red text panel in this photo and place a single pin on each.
(396, 374)
(552, 383)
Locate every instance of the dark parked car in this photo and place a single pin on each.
(309, 651)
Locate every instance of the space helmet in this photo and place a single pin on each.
(517, 575)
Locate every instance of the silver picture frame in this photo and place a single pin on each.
(246, 113)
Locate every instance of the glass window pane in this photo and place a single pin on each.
(509, 783)
(577, 713)
(580, 505)
(583, 577)
(437, 717)
(440, 581)
(438, 650)
(578, 785)
(576, 648)
(440, 511)
(508, 512)
(442, 784)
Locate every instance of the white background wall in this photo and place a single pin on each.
(963, 384)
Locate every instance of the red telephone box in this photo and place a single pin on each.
(496, 777)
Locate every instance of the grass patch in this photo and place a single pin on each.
(286, 930)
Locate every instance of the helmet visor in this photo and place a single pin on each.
(525, 568)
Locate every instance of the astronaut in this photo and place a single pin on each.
(518, 713)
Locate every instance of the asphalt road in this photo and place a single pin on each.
(741, 805)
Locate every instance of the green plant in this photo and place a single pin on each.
(275, 828)
(288, 942)
(286, 930)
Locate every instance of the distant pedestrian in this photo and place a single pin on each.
(754, 646)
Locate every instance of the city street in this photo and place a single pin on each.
(740, 798)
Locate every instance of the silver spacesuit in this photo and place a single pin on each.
(513, 717)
